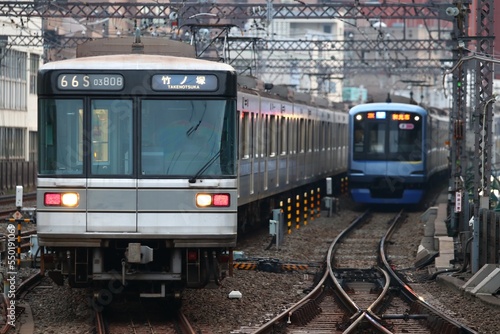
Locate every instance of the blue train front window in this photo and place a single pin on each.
(397, 136)
(187, 138)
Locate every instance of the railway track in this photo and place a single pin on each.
(8, 204)
(359, 292)
(141, 317)
(21, 290)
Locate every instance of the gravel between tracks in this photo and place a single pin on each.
(264, 295)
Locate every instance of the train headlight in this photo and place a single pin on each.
(70, 199)
(212, 200)
(203, 200)
(61, 199)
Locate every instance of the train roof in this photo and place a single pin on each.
(136, 62)
(387, 106)
(140, 44)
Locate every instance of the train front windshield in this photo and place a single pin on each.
(172, 137)
(387, 135)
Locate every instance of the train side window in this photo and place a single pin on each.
(302, 136)
(329, 135)
(256, 133)
(283, 135)
(273, 133)
(322, 131)
(294, 130)
(264, 141)
(245, 135)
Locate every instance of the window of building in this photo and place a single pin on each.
(34, 65)
(33, 144)
(13, 80)
(13, 149)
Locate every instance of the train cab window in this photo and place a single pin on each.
(187, 137)
(377, 138)
(111, 137)
(405, 138)
(61, 137)
(395, 136)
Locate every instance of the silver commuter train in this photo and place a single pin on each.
(286, 143)
(140, 180)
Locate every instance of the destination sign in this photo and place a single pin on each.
(90, 82)
(185, 82)
(400, 117)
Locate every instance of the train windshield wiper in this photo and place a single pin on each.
(205, 167)
(193, 129)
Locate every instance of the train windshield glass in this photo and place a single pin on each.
(111, 137)
(395, 136)
(174, 137)
(61, 137)
(187, 137)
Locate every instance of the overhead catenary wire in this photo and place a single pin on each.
(463, 60)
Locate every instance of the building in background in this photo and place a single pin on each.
(18, 103)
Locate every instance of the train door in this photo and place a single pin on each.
(309, 154)
(269, 138)
(273, 152)
(343, 141)
(111, 189)
(245, 166)
(284, 159)
(265, 153)
(335, 143)
(249, 106)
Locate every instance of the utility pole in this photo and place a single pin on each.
(483, 120)
(458, 152)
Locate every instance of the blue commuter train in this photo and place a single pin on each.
(395, 149)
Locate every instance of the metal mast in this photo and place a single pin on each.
(483, 120)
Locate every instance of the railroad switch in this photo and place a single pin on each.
(269, 265)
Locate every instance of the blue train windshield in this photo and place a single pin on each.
(397, 136)
(173, 137)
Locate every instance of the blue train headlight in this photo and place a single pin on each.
(61, 199)
(212, 200)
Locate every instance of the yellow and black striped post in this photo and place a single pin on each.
(18, 238)
(19, 243)
(318, 202)
(311, 210)
(245, 265)
(305, 209)
(289, 214)
(297, 211)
